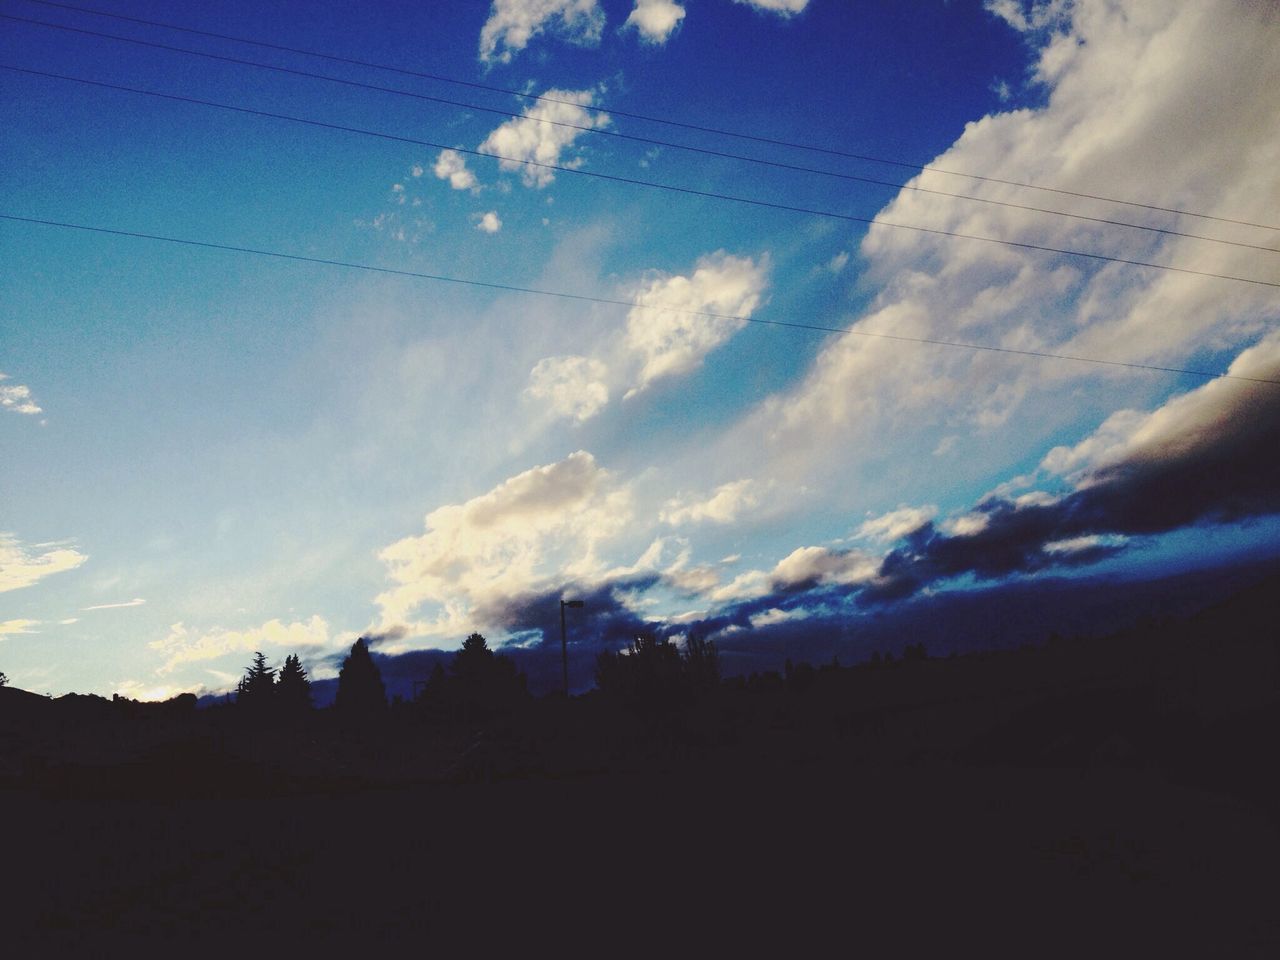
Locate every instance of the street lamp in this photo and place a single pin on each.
(564, 646)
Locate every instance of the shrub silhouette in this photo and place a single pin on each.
(3, 679)
(361, 693)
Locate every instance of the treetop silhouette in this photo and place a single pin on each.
(293, 687)
(361, 692)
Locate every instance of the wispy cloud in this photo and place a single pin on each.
(784, 8)
(9, 628)
(135, 602)
(182, 645)
(22, 565)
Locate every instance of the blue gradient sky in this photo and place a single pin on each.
(224, 453)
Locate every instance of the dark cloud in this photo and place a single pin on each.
(1209, 456)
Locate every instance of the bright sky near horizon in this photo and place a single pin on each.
(205, 452)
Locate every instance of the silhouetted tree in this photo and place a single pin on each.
(361, 693)
(652, 671)
(483, 681)
(3, 679)
(293, 688)
(257, 685)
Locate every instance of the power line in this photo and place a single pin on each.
(631, 305)
(614, 178)
(776, 164)
(440, 78)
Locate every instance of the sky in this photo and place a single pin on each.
(739, 405)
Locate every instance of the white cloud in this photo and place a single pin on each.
(489, 222)
(824, 565)
(664, 331)
(183, 645)
(965, 525)
(135, 602)
(896, 523)
(452, 166)
(1030, 15)
(1130, 88)
(538, 136)
(538, 527)
(22, 565)
(513, 23)
(569, 386)
(655, 19)
(17, 398)
(141, 690)
(9, 628)
(785, 8)
(725, 505)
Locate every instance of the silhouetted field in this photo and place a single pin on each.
(1108, 797)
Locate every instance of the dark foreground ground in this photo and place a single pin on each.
(1106, 798)
(992, 861)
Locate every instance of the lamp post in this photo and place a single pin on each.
(564, 645)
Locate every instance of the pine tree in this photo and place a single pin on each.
(293, 688)
(257, 685)
(361, 693)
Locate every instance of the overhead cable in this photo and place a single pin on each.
(614, 178)
(630, 305)
(441, 78)
(651, 141)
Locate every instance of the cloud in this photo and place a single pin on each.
(896, 523)
(513, 23)
(813, 566)
(655, 20)
(538, 136)
(725, 505)
(528, 534)
(17, 398)
(1206, 456)
(183, 645)
(1127, 88)
(1027, 16)
(569, 386)
(22, 565)
(784, 8)
(663, 331)
(452, 166)
(135, 602)
(489, 222)
(9, 628)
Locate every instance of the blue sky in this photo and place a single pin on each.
(206, 453)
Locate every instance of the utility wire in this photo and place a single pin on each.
(648, 119)
(776, 164)
(630, 305)
(614, 178)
